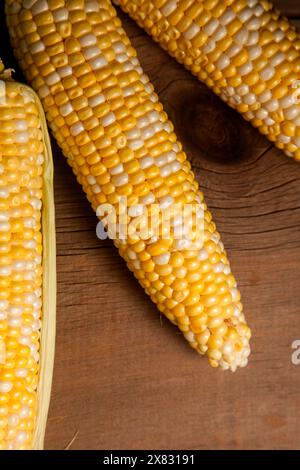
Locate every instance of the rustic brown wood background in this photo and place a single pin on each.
(123, 377)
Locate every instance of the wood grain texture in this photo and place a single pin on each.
(288, 7)
(124, 377)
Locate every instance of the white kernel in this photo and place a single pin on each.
(148, 199)
(96, 100)
(15, 311)
(52, 78)
(134, 133)
(182, 244)
(166, 202)
(189, 336)
(21, 125)
(241, 36)
(254, 24)
(4, 304)
(44, 91)
(223, 62)
(136, 210)
(36, 325)
(175, 166)
(5, 387)
(287, 101)
(245, 15)
(136, 264)
(218, 267)
(121, 58)
(267, 73)
(37, 47)
(227, 349)
(116, 170)
(91, 6)
(272, 105)
(284, 139)
(15, 322)
(36, 203)
(209, 46)
(148, 132)
(253, 38)
(219, 34)
(169, 7)
(265, 96)
(65, 71)
(269, 122)
(22, 137)
(96, 189)
(142, 122)
(21, 372)
(234, 294)
(145, 79)
(4, 226)
(128, 91)
(13, 420)
(98, 62)
(66, 109)
(4, 192)
(161, 160)
(153, 116)
(91, 52)
(227, 16)
(254, 52)
(261, 114)
(21, 437)
(60, 14)
(18, 265)
(120, 180)
(88, 40)
(191, 32)
(210, 27)
(108, 119)
(277, 59)
(39, 6)
(3, 316)
(246, 68)
(233, 50)
(227, 270)
(278, 35)
(5, 270)
(292, 112)
(243, 89)
(24, 412)
(162, 259)
(249, 99)
(91, 179)
(145, 162)
(135, 144)
(118, 47)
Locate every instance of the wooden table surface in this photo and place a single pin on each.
(123, 377)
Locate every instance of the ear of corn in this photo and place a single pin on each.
(27, 267)
(113, 130)
(242, 49)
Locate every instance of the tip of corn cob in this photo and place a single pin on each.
(235, 349)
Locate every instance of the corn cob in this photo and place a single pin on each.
(111, 126)
(27, 267)
(242, 49)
